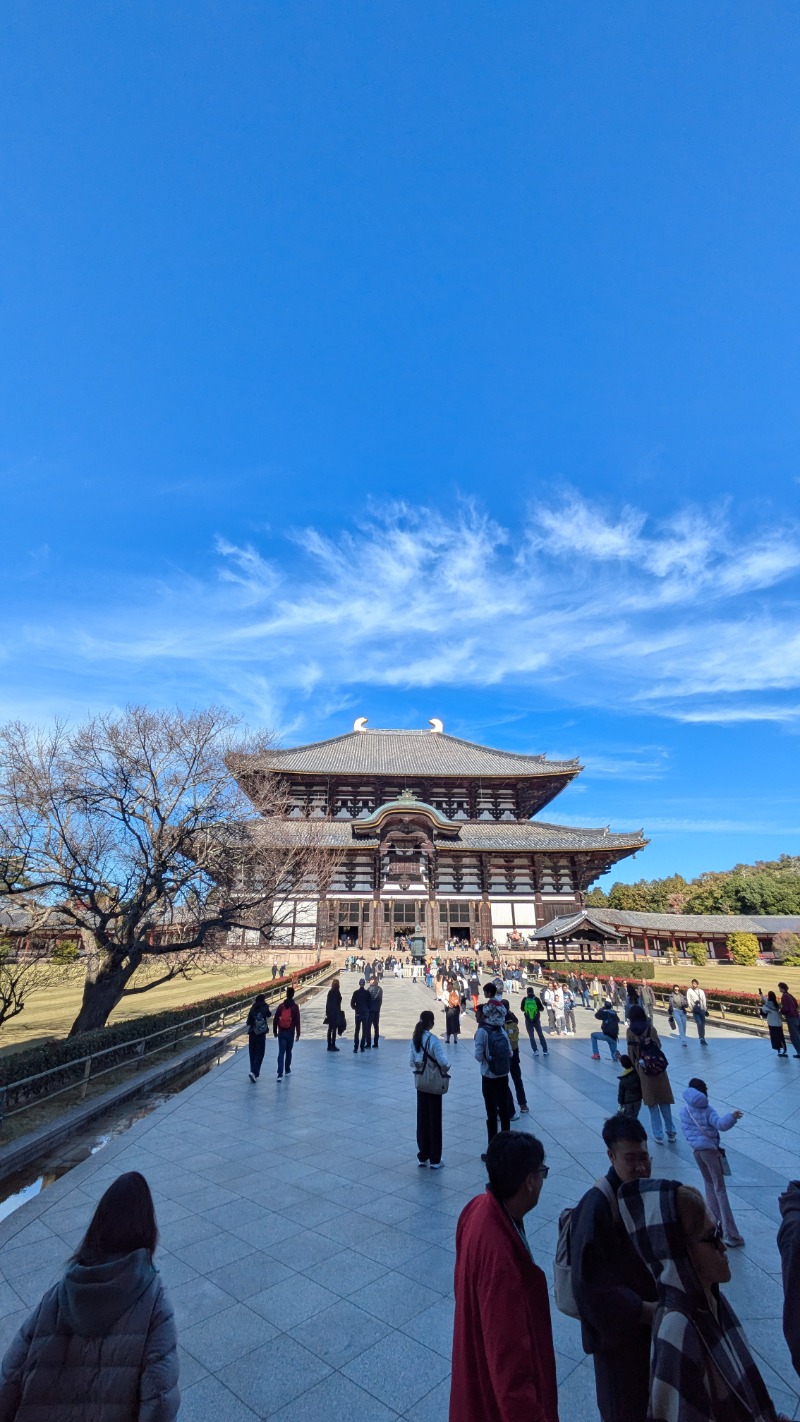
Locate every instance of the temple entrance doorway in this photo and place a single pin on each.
(460, 935)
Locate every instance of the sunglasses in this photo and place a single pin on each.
(544, 1171)
(715, 1238)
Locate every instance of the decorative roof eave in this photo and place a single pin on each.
(575, 926)
(526, 836)
(406, 804)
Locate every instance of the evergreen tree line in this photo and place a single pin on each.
(768, 886)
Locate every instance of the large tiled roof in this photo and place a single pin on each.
(694, 922)
(430, 753)
(527, 835)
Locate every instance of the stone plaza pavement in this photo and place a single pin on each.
(309, 1259)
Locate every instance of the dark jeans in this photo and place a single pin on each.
(256, 1047)
(362, 1027)
(516, 1076)
(536, 1027)
(497, 1097)
(793, 1024)
(373, 1028)
(429, 1127)
(332, 1034)
(622, 1380)
(700, 1023)
(285, 1044)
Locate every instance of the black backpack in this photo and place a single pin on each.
(498, 1050)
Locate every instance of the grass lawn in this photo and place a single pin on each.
(51, 1013)
(727, 975)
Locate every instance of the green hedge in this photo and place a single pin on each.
(16, 1066)
(620, 970)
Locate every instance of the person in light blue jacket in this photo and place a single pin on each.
(701, 1126)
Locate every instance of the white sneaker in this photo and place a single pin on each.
(515, 1116)
(438, 1165)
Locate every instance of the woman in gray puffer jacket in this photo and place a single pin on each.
(101, 1346)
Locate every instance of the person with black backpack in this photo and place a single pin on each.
(493, 1051)
(644, 1050)
(286, 1027)
(257, 1020)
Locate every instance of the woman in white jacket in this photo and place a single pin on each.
(429, 1106)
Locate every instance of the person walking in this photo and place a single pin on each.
(452, 1016)
(426, 1045)
(569, 1012)
(532, 1009)
(548, 1001)
(596, 990)
(257, 1021)
(644, 1050)
(791, 1013)
(493, 1052)
(631, 1000)
(375, 1004)
(701, 1366)
(771, 1011)
(515, 1069)
(102, 1342)
(677, 1012)
(333, 1013)
(648, 1000)
(360, 1004)
(696, 1003)
(609, 1020)
(629, 1089)
(701, 1126)
(503, 1358)
(614, 1292)
(286, 1027)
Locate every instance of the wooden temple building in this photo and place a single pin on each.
(430, 832)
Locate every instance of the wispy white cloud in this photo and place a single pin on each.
(694, 618)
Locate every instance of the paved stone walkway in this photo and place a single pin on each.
(310, 1261)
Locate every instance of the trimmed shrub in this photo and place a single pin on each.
(65, 952)
(620, 971)
(743, 948)
(697, 953)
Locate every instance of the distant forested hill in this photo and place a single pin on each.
(769, 886)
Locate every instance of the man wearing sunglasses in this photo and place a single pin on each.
(615, 1292)
(503, 1360)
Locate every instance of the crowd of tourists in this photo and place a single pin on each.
(640, 1260)
(640, 1263)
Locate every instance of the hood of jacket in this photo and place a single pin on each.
(93, 1297)
(696, 1100)
(789, 1201)
(649, 1211)
(493, 1014)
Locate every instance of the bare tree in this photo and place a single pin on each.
(21, 975)
(133, 827)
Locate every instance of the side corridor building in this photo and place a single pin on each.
(430, 832)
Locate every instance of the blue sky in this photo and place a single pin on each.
(413, 360)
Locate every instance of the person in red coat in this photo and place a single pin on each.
(504, 1367)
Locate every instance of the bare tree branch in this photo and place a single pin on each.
(135, 830)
